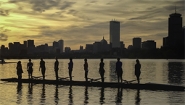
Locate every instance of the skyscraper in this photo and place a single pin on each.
(175, 35)
(137, 43)
(30, 43)
(114, 34)
(61, 45)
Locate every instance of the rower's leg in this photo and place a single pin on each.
(70, 75)
(86, 73)
(43, 74)
(102, 77)
(56, 74)
(31, 74)
(138, 80)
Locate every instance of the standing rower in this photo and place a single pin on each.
(101, 70)
(86, 69)
(42, 67)
(137, 70)
(30, 68)
(19, 70)
(70, 67)
(119, 70)
(56, 68)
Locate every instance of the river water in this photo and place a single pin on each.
(152, 70)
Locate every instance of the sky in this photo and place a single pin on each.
(80, 22)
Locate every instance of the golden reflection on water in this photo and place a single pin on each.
(157, 71)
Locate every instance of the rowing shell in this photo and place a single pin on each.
(147, 86)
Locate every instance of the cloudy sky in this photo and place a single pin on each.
(79, 22)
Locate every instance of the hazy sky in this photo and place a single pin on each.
(80, 22)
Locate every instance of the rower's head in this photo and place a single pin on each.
(30, 60)
(19, 62)
(118, 59)
(41, 59)
(56, 58)
(70, 59)
(101, 59)
(85, 59)
(137, 60)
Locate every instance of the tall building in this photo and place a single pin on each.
(136, 43)
(175, 34)
(174, 25)
(30, 43)
(61, 45)
(114, 34)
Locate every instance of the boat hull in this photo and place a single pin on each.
(146, 86)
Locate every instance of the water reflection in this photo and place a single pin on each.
(30, 92)
(70, 95)
(112, 70)
(19, 92)
(56, 95)
(86, 98)
(102, 96)
(119, 95)
(43, 95)
(137, 97)
(175, 72)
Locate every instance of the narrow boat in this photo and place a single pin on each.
(146, 86)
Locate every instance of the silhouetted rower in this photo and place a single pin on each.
(2, 61)
(19, 70)
(119, 70)
(56, 68)
(30, 68)
(101, 70)
(70, 67)
(86, 69)
(137, 70)
(42, 67)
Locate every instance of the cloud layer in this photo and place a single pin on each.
(85, 21)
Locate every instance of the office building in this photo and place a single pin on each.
(136, 43)
(30, 43)
(61, 45)
(149, 45)
(175, 38)
(114, 34)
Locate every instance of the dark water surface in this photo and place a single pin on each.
(154, 71)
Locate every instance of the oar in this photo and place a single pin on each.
(91, 79)
(64, 78)
(38, 77)
(130, 80)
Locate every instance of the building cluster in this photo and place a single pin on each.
(175, 39)
(28, 48)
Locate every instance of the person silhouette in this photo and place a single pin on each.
(101, 70)
(70, 67)
(119, 70)
(56, 68)
(30, 69)
(42, 67)
(86, 69)
(19, 70)
(137, 70)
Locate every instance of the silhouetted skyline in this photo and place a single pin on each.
(68, 20)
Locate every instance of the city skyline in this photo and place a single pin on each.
(68, 20)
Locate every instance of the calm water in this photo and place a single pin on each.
(154, 71)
